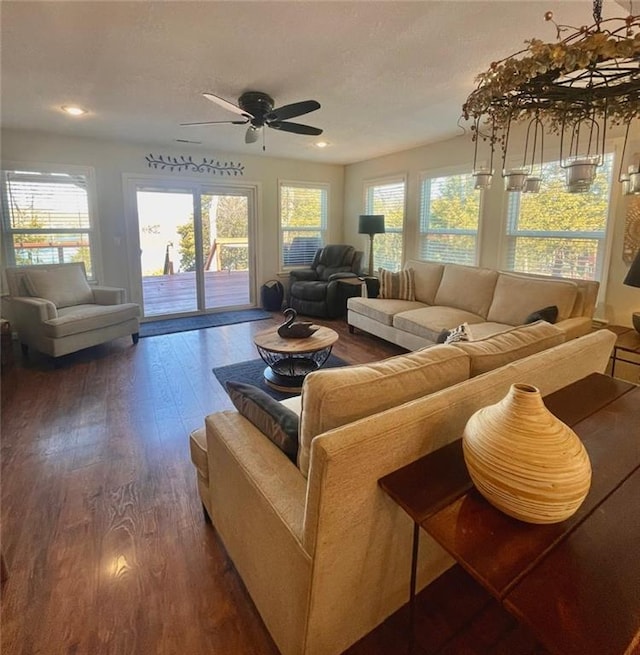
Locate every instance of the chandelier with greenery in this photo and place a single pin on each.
(576, 87)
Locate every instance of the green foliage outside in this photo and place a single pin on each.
(229, 216)
(388, 199)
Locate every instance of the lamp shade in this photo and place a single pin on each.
(371, 224)
(633, 276)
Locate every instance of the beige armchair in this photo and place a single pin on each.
(56, 311)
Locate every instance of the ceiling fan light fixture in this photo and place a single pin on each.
(252, 135)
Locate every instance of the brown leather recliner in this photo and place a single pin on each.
(315, 291)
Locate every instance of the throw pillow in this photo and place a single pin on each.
(443, 336)
(277, 422)
(548, 314)
(398, 286)
(460, 333)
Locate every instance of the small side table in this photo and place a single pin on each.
(6, 348)
(628, 342)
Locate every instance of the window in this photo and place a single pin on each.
(559, 233)
(449, 216)
(303, 221)
(47, 218)
(387, 198)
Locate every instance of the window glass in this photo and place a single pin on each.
(303, 221)
(47, 218)
(449, 217)
(387, 198)
(559, 233)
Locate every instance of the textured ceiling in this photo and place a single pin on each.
(389, 75)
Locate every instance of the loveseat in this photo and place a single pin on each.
(56, 311)
(323, 552)
(447, 295)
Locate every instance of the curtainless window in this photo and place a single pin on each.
(47, 218)
(303, 221)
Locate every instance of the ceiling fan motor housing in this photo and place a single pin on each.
(258, 104)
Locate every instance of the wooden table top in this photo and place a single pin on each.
(549, 576)
(269, 340)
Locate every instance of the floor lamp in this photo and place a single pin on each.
(371, 224)
(633, 280)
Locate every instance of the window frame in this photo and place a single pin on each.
(387, 180)
(324, 188)
(509, 234)
(8, 233)
(423, 177)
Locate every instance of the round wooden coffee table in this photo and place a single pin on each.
(290, 360)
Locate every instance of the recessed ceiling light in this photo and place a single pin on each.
(320, 144)
(72, 110)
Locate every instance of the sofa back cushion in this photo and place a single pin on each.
(335, 397)
(506, 347)
(427, 277)
(63, 285)
(467, 287)
(517, 296)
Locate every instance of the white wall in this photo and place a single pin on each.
(118, 232)
(456, 156)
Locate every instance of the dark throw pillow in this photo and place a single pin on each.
(443, 336)
(277, 422)
(548, 314)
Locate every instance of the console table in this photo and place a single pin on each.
(575, 584)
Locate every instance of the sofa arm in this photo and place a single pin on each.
(30, 311)
(303, 275)
(108, 295)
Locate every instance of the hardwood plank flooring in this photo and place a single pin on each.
(101, 524)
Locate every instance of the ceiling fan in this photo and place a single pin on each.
(257, 110)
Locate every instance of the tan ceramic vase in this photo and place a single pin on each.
(524, 460)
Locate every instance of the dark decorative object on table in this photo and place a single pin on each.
(297, 330)
(371, 224)
(633, 280)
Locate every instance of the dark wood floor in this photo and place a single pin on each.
(102, 527)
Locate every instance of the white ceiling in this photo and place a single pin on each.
(389, 75)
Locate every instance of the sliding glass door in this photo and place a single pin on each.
(195, 248)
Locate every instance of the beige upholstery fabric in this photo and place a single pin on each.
(517, 296)
(381, 309)
(327, 560)
(428, 322)
(63, 286)
(500, 349)
(427, 277)
(334, 397)
(467, 287)
(198, 450)
(85, 318)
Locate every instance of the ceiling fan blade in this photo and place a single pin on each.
(293, 110)
(217, 123)
(226, 104)
(252, 135)
(296, 128)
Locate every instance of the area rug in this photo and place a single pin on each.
(170, 325)
(251, 373)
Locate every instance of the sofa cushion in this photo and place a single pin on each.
(85, 318)
(427, 277)
(500, 349)
(517, 296)
(398, 286)
(63, 286)
(467, 287)
(381, 310)
(428, 322)
(278, 423)
(335, 397)
(548, 314)
(315, 290)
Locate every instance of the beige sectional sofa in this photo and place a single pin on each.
(490, 301)
(323, 552)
